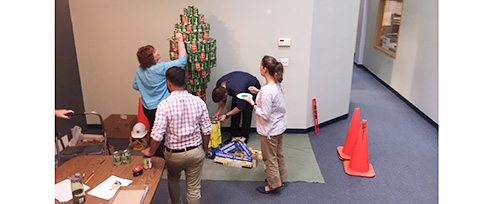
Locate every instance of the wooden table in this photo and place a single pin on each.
(103, 167)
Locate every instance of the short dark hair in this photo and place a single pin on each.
(175, 75)
(218, 94)
(145, 56)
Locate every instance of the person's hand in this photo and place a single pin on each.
(250, 100)
(253, 89)
(179, 37)
(146, 152)
(222, 117)
(63, 113)
(216, 115)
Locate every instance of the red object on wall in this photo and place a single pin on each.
(141, 117)
(315, 116)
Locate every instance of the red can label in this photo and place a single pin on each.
(194, 47)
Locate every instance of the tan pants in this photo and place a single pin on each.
(191, 162)
(274, 160)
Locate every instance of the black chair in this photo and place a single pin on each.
(83, 148)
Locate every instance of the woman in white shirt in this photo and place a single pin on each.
(271, 123)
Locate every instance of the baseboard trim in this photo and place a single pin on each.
(412, 106)
(299, 130)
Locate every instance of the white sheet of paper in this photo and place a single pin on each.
(63, 190)
(105, 189)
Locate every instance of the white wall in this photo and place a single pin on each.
(333, 44)
(414, 71)
(109, 32)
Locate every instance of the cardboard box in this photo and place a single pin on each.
(119, 126)
(130, 194)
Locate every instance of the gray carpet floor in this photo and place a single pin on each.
(403, 149)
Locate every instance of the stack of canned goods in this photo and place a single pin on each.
(200, 48)
(121, 157)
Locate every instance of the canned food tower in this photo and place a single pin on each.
(200, 48)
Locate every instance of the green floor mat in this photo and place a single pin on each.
(300, 159)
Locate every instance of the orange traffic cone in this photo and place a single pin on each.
(141, 117)
(344, 152)
(359, 164)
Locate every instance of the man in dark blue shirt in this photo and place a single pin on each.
(232, 84)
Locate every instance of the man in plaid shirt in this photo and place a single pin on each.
(184, 120)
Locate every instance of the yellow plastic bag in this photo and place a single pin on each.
(215, 135)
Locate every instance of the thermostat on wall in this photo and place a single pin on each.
(284, 42)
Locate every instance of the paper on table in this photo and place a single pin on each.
(63, 190)
(105, 190)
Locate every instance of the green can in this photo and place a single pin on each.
(192, 70)
(201, 48)
(117, 158)
(195, 28)
(171, 54)
(197, 20)
(194, 37)
(195, 11)
(200, 36)
(126, 156)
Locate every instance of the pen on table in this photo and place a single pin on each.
(90, 177)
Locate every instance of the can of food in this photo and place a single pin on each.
(197, 66)
(195, 11)
(202, 19)
(183, 19)
(126, 156)
(189, 11)
(192, 69)
(202, 56)
(185, 36)
(147, 162)
(203, 66)
(171, 54)
(195, 29)
(201, 48)
(200, 36)
(193, 47)
(117, 158)
(208, 27)
(172, 44)
(205, 35)
(189, 28)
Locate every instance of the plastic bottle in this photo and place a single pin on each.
(77, 189)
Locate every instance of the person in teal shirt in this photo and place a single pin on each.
(150, 79)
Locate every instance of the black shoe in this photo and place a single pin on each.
(263, 190)
(284, 183)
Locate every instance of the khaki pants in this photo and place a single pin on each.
(191, 162)
(274, 160)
